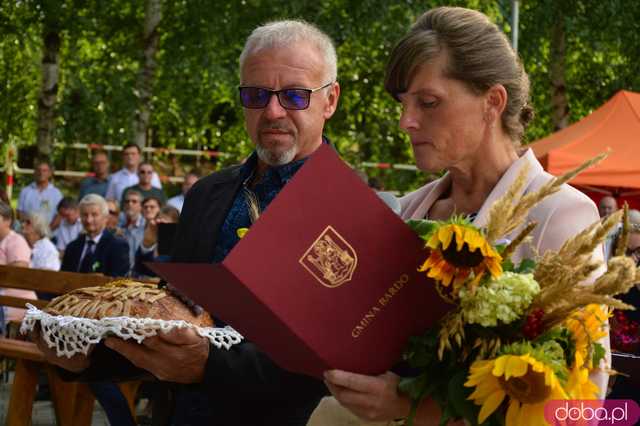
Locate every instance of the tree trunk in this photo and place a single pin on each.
(48, 92)
(559, 103)
(152, 17)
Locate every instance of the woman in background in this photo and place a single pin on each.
(14, 251)
(44, 254)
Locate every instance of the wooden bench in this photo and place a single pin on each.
(73, 402)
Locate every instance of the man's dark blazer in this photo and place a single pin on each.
(246, 387)
(111, 255)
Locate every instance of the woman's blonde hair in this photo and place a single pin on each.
(39, 224)
(478, 54)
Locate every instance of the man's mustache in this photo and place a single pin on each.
(274, 125)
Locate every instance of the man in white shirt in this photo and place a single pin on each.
(178, 200)
(128, 175)
(41, 196)
(70, 225)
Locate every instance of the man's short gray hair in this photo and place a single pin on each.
(285, 33)
(39, 224)
(94, 200)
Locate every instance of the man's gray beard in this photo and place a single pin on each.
(276, 159)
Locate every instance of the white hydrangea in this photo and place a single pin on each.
(502, 299)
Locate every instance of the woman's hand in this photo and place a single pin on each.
(376, 398)
(372, 398)
(177, 356)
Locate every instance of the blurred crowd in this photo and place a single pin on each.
(111, 227)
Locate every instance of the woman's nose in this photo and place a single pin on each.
(408, 120)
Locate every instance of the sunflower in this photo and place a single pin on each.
(586, 327)
(528, 383)
(579, 386)
(458, 249)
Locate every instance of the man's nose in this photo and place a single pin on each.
(273, 109)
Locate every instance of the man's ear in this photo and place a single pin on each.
(495, 103)
(332, 101)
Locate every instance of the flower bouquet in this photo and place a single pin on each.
(519, 334)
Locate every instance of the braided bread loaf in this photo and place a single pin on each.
(125, 298)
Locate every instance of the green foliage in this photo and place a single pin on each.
(562, 337)
(598, 353)
(424, 228)
(195, 96)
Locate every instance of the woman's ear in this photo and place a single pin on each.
(495, 103)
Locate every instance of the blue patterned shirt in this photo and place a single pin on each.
(272, 182)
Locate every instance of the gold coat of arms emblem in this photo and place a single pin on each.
(330, 259)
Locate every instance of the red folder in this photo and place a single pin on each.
(326, 278)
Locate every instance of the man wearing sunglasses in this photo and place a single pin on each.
(288, 90)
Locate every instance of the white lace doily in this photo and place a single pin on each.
(74, 335)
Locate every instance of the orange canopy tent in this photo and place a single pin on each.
(615, 126)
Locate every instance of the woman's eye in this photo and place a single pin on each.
(428, 104)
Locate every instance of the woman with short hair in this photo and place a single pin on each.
(44, 254)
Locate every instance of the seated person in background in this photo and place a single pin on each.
(132, 229)
(178, 200)
(41, 196)
(149, 250)
(44, 255)
(98, 183)
(144, 185)
(607, 205)
(14, 251)
(70, 224)
(114, 216)
(96, 250)
(150, 208)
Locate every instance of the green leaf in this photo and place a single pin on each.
(424, 228)
(507, 265)
(598, 353)
(526, 266)
(458, 394)
(414, 387)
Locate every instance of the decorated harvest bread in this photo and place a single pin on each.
(125, 298)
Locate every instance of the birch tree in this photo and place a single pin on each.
(144, 92)
(47, 99)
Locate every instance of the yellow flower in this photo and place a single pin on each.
(579, 386)
(586, 327)
(528, 383)
(457, 250)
